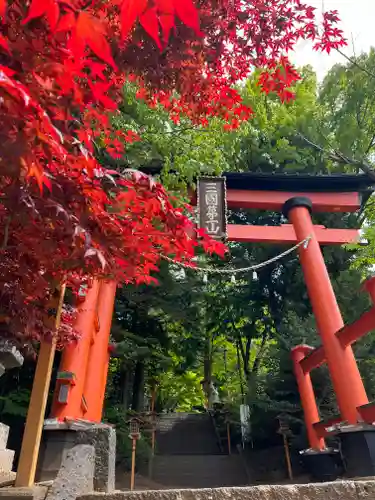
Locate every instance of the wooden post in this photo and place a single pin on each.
(287, 457)
(35, 416)
(228, 437)
(132, 476)
(153, 437)
(285, 431)
(153, 399)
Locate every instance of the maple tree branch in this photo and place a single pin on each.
(371, 144)
(260, 354)
(241, 347)
(355, 63)
(340, 158)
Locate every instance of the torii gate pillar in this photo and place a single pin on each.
(306, 392)
(346, 379)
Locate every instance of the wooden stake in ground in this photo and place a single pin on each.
(132, 476)
(35, 416)
(287, 457)
(153, 399)
(285, 431)
(228, 438)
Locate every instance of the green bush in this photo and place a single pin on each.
(118, 418)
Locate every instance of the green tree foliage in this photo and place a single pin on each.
(271, 140)
(348, 99)
(178, 151)
(238, 334)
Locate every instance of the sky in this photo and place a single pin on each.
(358, 23)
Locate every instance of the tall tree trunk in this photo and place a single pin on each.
(126, 375)
(138, 387)
(207, 369)
(240, 371)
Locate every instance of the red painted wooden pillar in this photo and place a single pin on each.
(97, 368)
(68, 398)
(369, 286)
(346, 379)
(306, 392)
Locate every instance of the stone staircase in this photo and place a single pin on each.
(199, 471)
(186, 434)
(188, 454)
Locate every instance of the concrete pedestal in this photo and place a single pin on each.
(54, 448)
(358, 450)
(60, 439)
(325, 465)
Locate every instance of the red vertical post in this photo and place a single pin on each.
(74, 361)
(306, 392)
(369, 286)
(346, 379)
(97, 368)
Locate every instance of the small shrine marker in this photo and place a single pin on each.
(134, 435)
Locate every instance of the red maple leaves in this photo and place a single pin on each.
(63, 67)
(49, 8)
(158, 15)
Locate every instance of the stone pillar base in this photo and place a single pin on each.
(358, 450)
(6, 457)
(53, 450)
(76, 474)
(59, 439)
(324, 465)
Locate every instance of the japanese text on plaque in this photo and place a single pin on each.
(212, 206)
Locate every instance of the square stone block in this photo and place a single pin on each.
(34, 493)
(58, 443)
(10, 356)
(55, 446)
(6, 460)
(365, 490)
(338, 490)
(251, 493)
(103, 438)
(76, 474)
(4, 435)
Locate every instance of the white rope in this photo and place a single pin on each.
(255, 267)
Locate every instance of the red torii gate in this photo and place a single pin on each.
(81, 381)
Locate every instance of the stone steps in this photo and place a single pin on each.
(186, 434)
(34, 493)
(188, 454)
(199, 471)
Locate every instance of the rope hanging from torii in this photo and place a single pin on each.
(234, 271)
